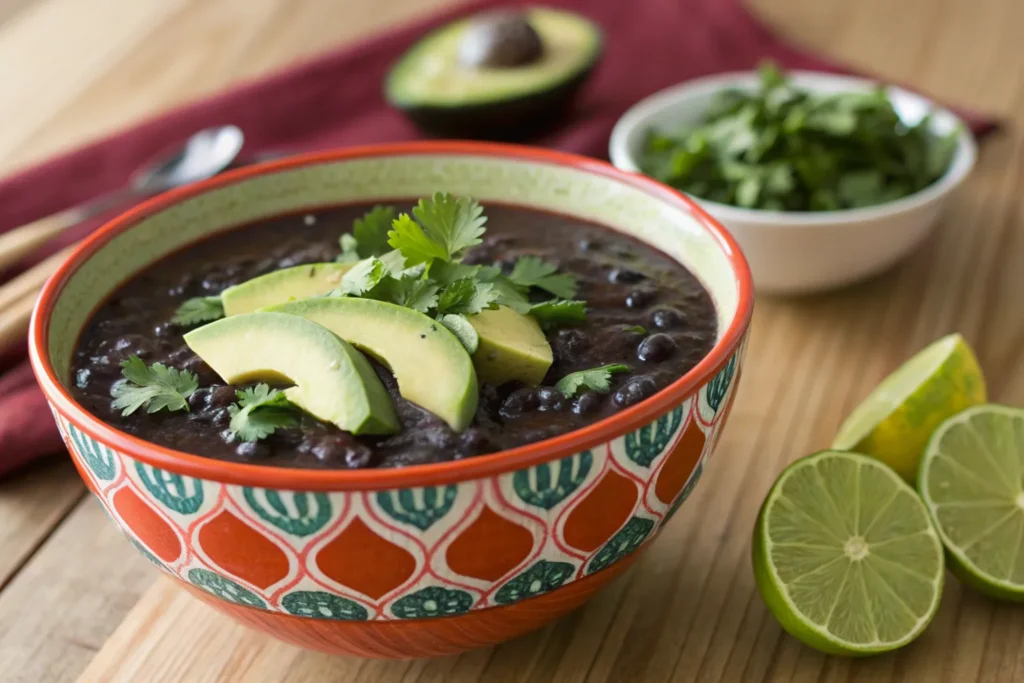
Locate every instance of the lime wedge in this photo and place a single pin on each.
(972, 480)
(845, 555)
(896, 420)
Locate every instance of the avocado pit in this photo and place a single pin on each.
(499, 40)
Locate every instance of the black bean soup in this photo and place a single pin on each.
(643, 310)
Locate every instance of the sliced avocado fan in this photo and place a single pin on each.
(333, 381)
(430, 365)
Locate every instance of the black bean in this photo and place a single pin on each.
(640, 297)
(587, 402)
(634, 391)
(197, 401)
(358, 458)
(164, 330)
(220, 417)
(656, 348)
(253, 450)
(474, 441)
(550, 400)
(668, 318)
(519, 402)
(626, 276)
(220, 397)
(568, 344)
(588, 245)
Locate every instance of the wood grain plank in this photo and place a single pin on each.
(61, 607)
(32, 503)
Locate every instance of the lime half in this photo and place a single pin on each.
(972, 480)
(896, 420)
(846, 556)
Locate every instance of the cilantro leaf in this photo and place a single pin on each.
(596, 379)
(259, 412)
(200, 309)
(371, 231)
(559, 312)
(638, 329)
(782, 147)
(508, 293)
(463, 331)
(419, 295)
(530, 271)
(466, 296)
(362, 277)
(416, 246)
(156, 387)
(349, 249)
(454, 223)
(444, 228)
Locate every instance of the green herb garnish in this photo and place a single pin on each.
(155, 387)
(559, 312)
(424, 271)
(444, 228)
(638, 329)
(200, 309)
(596, 379)
(784, 148)
(530, 271)
(259, 412)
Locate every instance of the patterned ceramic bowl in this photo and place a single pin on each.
(429, 559)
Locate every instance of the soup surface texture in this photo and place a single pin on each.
(644, 310)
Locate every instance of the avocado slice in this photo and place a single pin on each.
(431, 366)
(333, 381)
(512, 347)
(496, 74)
(297, 282)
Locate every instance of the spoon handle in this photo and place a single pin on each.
(18, 243)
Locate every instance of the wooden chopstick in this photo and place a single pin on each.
(18, 296)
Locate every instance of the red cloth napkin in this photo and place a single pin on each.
(336, 100)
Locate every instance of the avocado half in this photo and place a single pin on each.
(433, 84)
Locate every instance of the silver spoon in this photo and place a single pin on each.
(205, 154)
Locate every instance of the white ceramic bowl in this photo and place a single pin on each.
(799, 252)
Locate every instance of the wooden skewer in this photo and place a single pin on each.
(18, 243)
(18, 296)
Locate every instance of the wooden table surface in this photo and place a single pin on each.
(74, 597)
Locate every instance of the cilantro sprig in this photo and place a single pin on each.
(530, 271)
(200, 309)
(260, 411)
(423, 269)
(155, 387)
(595, 379)
(782, 147)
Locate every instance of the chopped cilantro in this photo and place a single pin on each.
(638, 329)
(414, 293)
(349, 249)
(444, 228)
(259, 412)
(530, 271)
(200, 309)
(559, 312)
(424, 271)
(466, 296)
(155, 387)
(371, 231)
(596, 379)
